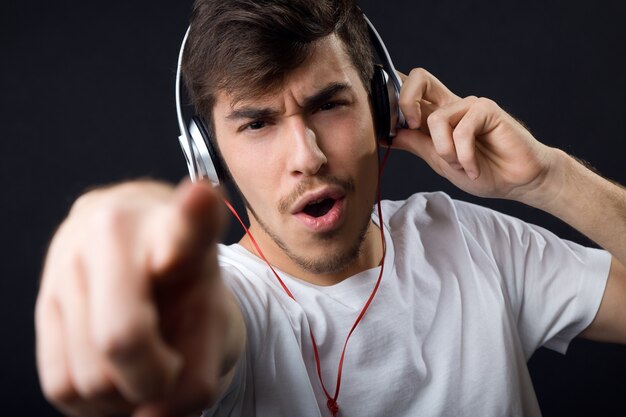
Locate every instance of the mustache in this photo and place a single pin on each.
(311, 183)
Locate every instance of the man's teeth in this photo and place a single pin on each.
(316, 201)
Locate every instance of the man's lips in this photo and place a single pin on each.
(325, 218)
(328, 221)
(314, 196)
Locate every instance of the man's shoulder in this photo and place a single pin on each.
(438, 206)
(422, 206)
(436, 213)
(418, 201)
(235, 259)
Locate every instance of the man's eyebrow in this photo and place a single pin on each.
(324, 95)
(252, 113)
(311, 102)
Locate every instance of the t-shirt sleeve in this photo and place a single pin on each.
(231, 403)
(554, 286)
(236, 401)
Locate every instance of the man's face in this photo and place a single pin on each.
(305, 159)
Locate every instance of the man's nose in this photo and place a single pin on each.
(305, 156)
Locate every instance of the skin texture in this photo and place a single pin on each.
(132, 316)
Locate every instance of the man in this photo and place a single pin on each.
(137, 314)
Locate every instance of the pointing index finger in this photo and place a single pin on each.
(165, 242)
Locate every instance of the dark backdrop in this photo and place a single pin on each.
(86, 91)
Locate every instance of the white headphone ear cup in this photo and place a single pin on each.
(186, 146)
(201, 152)
(214, 163)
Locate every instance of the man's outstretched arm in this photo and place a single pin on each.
(132, 316)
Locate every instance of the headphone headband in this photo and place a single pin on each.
(184, 138)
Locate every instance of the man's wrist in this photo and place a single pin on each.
(550, 188)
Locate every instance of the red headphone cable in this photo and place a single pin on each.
(332, 401)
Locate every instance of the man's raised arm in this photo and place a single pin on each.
(484, 151)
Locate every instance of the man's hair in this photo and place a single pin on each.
(246, 47)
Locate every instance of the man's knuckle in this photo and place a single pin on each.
(446, 150)
(448, 156)
(58, 389)
(435, 118)
(87, 199)
(465, 157)
(486, 104)
(461, 133)
(419, 73)
(437, 122)
(94, 385)
(121, 342)
(109, 218)
(407, 102)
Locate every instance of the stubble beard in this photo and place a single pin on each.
(333, 262)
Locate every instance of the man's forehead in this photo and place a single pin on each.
(276, 98)
(327, 64)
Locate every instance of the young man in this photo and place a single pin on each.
(141, 312)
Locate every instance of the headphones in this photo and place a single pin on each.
(203, 161)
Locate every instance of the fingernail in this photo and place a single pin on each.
(412, 123)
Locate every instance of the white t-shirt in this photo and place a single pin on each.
(467, 295)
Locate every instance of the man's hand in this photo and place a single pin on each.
(470, 141)
(132, 317)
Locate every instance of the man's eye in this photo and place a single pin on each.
(329, 106)
(255, 125)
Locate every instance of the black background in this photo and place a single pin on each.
(86, 95)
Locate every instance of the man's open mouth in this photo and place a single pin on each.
(320, 207)
(322, 210)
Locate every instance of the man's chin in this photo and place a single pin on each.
(323, 252)
(326, 253)
(327, 261)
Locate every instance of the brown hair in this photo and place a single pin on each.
(247, 47)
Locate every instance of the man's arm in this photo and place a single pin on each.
(132, 316)
(484, 151)
(597, 208)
